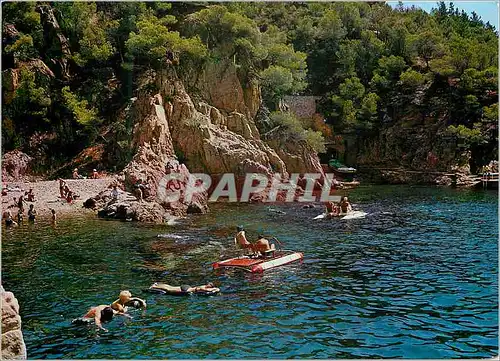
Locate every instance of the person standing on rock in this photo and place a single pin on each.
(114, 192)
(140, 189)
(62, 185)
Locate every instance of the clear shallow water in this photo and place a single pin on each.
(417, 278)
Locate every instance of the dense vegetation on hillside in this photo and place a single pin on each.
(77, 64)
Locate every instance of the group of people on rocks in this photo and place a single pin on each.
(338, 209)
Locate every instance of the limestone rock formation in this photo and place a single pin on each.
(13, 346)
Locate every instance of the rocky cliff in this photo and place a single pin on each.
(213, 126)
(209, 130)
(421, 153)
(13, 346)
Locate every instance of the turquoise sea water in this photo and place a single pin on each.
(416, 278)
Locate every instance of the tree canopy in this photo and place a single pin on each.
(74, 65)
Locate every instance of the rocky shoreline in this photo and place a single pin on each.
(416, 177)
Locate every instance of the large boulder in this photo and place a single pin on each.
(211, 141)
(155, 158)
(16, 166)
(127, 208)
(13, 346)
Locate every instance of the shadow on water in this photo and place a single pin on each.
(416, 278)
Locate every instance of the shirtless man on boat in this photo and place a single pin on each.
(258, 248)
(345, 206)
(332, 209)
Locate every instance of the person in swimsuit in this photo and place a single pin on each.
(120, 305)
(20, 203)
(20, 217)
(259, 247)
(31, 213)
(8, 219)
(62, 185)
(101, 313)
(184, 289)
(345, 206)
(30, 196)
(332, 209)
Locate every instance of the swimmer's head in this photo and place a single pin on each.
(107, 314)
(125, 295)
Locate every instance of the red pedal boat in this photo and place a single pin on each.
(257, 265)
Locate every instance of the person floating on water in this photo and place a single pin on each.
(101, 313)
(31, 213)
(259, 248)
(345, 206)
(208, 289)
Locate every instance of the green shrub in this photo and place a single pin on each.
(289, 129)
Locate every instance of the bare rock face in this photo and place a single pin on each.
(302, 160)
(13, 346)
(211, 141)
(15, 166)
(52, 30)
(154, 157)
(220, 85)
(412, 148)
(11, 77)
